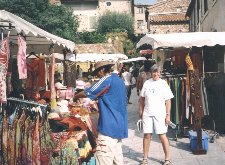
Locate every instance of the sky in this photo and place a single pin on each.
(145, 2)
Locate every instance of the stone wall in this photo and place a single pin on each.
(116, 5)
(173, 28)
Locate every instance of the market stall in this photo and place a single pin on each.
(26, 136)
(205, 57)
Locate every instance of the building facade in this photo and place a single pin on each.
(88, 11)
(168, 16)
(205, 15)
(141, 15)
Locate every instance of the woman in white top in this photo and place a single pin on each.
(154, 109)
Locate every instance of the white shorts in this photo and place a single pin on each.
(151, 124)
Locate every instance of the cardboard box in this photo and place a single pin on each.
(193, 140)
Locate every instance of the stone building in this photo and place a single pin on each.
(206, 15)
(168, 16)
(140, 15)
(88, 11)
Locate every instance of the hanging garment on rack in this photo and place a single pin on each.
(177, 86)
(215, 88)
(204, 98)
(21, 58)
(36, 144)
(11, 140)
(19, 137)
(4, 139)
(22, 141)
(1, 126)
(36, 74)
(46, 143)
(9, 83)
(4, 53)
(70, 74)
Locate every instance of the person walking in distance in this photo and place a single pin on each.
(143, 76)
(154, 109)
(110, 91)
(127, 77)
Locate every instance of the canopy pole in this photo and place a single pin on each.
(52, 81)
(203, 65)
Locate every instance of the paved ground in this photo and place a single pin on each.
(180, 149)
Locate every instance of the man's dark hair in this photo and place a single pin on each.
(147, 65)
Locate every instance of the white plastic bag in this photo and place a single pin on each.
(140, 125)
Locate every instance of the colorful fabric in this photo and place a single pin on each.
(5, 139)
(36, 144)
(21, 58)
(70, 74)
(4, 53)
(36, 74)
(189, 63)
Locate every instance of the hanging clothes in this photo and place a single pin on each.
(21, 57)
(70, 74)
(36, 74)
(22, 141)
(4, 58)
(178, 87)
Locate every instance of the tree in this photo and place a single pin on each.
(58, 20)
(91, 37)
(115, 22)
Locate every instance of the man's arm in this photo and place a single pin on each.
(79, 95)
(141, 106)
(168, 108)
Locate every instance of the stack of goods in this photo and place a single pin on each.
(73, 133)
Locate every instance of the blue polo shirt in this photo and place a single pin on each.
(111, 94)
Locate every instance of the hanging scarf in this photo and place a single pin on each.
(21, 58)
(4, 53)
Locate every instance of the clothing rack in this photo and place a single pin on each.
(26, 101)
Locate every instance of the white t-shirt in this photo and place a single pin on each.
(155, 93)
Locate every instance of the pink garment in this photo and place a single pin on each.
(4, 57)
(21, 58)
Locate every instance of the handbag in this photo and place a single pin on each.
(140, 125)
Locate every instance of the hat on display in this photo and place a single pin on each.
(101, 64)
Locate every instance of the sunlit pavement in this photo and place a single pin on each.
(180, 149)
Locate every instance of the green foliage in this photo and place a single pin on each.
(57, 20)
(91, 37)
(127, 44)
(115, 22)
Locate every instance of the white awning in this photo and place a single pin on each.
(186, 40)
(36, 38)
(133, 59)
(92, 57)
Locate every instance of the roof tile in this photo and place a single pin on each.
(171, 17)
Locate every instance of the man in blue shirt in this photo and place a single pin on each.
(110, 91)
